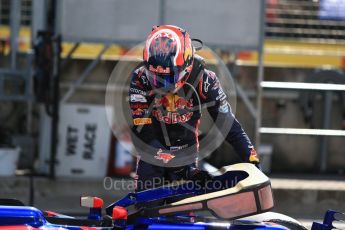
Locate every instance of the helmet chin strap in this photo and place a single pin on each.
(181, 83)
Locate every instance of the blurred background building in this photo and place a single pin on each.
(303, 43)
(50, 52)
(56, 58)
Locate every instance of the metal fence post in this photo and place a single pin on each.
(15, 25)
(328, 98)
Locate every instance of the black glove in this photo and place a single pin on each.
(199, 176)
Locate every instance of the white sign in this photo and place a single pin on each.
(84, 141)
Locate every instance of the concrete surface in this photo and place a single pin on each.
(62, 195)
(308, 198)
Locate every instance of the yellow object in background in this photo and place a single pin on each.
(277, 53)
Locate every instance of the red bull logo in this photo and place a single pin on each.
(163, 102)
(165, 157)
(182, 103)
(172, 118)
(160, 69)
(173, 102)
(138, 112)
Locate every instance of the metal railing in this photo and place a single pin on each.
(328, 90)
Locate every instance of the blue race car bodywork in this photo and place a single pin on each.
(242, 202)
(20, 218)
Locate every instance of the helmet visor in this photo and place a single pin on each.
(165, 81)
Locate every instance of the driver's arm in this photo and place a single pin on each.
(139, 103)
(221, 110)
(141, 119)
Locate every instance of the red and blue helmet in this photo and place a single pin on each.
(168, 55)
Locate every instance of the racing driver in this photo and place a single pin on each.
(166, 93)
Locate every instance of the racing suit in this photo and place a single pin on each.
(177, 116)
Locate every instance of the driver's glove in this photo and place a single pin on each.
(198, 176)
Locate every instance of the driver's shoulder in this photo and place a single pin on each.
(209, 81)
(139, 72)
(209, 75)
(139, 78)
